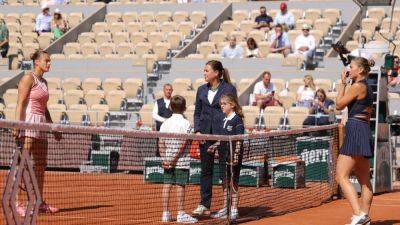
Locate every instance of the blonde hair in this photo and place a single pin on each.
(233, 99)
(364, 64)
(311, 83)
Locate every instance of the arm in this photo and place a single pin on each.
(298, 94)
(156, 117)
(37, 26)
(312, 44)
(23, 92)
(342, 99)
(5, 40)
(290, 21)
(180, 152)
(197, 111)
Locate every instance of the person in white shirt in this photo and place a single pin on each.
(306, 92)
(280, 41)
(174, 162)
(284, 17)
(161, 110)
(43, 20)
(264, 92)
(232, 50)
(252, 50)
(305, 44)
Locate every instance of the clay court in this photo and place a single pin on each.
(126, 199)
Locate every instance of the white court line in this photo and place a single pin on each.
(374, 204)
(100, 218)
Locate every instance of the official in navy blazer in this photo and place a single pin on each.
(209, 119)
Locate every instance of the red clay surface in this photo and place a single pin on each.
(126, 199)
(385, 211)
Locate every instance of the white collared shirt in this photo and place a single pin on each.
(43, 22)
(226, 119)
(179, 125)
(210, 95)
(157, 117)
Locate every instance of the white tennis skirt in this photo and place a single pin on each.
(34, 118)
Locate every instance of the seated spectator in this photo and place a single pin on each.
(252, 50)
(393, 76)
(232, 50)
(284, 17)
(264, 92)
(43, 20)
(362, 40)
(3, 39)
(263, 20)
(321, 108)
(59, 25)
(279, 41)
(306, 92)
(305, 44)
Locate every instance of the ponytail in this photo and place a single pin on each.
(223, 72)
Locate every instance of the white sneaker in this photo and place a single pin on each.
(362, 219)
(185, 218)
(166, 217)
(234, 214)
(201, 210)
(221, 214)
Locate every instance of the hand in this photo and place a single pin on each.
(57, 135)
(212, 149)
(166, 165)
(343, 76)
(16, 134)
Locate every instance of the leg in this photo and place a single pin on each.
(345, 165)
(165, 196)
(207, 166)
(180, 195)
(39, 154)
(362, 172)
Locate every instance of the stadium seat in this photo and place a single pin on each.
(93, 56)
(214, 57)
(322, 24)
(228, 26)
(247, 26)
(296, 116)
(186, 28)
(71, 83)
(325, 84)
(131, 87)
(195, 56)
(180, 16)
(117, 27)
(143, 48)
(93, 97)
(275, 56)
(89, 48)
(351, 45)
(27, 18)
(198, 18)
(55, 96)
(369, 24)
(155, 37)
(244, 84)
(263, 47)
(240, 35)
(251, 113)
(280, 84)
(75, 18)
(257, 35)
(161, 50)
(56, 111)
(27, 27)
(386, 24)
(45, 40)
(301, 22)
(14, 38)
(12, 18)
(332, 95)
(10, 96)
(91, 83)
(102, 37)
(294, 60)
(86, 37)
(53, 83)
(332, 14)
(71, 48)
(174, 39)
(75, 117)
(181, 85)
(297, 13)
(168, 26)
(13, 27)
(189, 113)
(366, 33)
(29, 37)
(124, 49)
(240, 15)
(217, 37)
(145, 114)
(9, 111)
(29, 49)
(113, 17)
(312, 14)
(82, 107)
(288, 99)
(272, 116)
(132, 27)
(72, 97)
(99, 27)
(150, 27)
(106, 49)
(114, 99)
(163, 16)
(190, 97)
(383, 35)
(146, 17)
(377, 13)
(97, 114)
(206, 48)
(111, 84)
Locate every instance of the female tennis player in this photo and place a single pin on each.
(32, 107)
(357, 146)
(209, 119)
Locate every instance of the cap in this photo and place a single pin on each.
(45, 6)
(58, 11)
(306, 27)
(283, 6)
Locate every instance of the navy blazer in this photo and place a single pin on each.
(209, 118)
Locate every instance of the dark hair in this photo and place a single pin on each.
(234, 100)
(364, 64)
(38, 54)
(178, 104)
(222, 72)
(252, 42)
(167, 84)
(279, 25)
(263, 7)
(265, 73)
(322, 91)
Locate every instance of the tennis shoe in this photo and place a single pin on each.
(221, 214)
(201, 210)
(234, 213)
(45, 208)
(185, 218)
(166, 217)
(362, 219)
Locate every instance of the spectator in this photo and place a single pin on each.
(264, 92)
(43, 20)
(161, 110)
(3, 39)
(305, 44)
(284, 17)
(232, 50)
(362, 40)
(263, 20)
(252, 50)
(59, 24)
(393, 74)
(306, 92)
(280, 41)
(321, 107)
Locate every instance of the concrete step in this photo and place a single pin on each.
(3, 64)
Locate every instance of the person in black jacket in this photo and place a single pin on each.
(161, 110)
(209, 119)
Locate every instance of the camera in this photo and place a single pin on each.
(341, 50)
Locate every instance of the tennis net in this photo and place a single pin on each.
(114, 176)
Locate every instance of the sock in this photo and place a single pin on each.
(181, 213)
